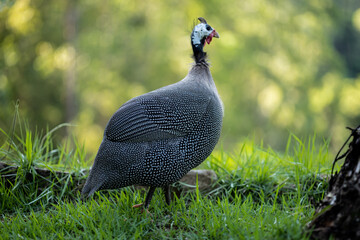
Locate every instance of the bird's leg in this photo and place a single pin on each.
(167, 194)
(147, 199)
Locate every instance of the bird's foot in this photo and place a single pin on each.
(144, 210)
(138, 205)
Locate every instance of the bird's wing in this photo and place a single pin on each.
(152, 117)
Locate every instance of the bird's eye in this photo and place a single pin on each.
(208, 28)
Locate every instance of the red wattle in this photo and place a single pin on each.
(209, 38)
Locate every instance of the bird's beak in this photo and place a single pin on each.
(211, 35)
(215, 34)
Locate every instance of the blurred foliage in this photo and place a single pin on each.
(280, 66)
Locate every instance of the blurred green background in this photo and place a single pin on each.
(280, 66)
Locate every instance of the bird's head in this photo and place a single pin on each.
(202, 33)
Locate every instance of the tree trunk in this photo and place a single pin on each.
(338, 214)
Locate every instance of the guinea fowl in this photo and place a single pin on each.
(156, 138)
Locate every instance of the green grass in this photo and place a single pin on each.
(260, 194)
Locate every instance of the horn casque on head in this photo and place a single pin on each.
(202, 20)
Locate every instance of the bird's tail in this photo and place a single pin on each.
(92, 184)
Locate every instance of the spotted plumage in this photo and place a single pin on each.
(156, 138)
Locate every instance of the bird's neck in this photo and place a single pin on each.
(201, 72)
(199, 54)
(200, 77)
(198, 46)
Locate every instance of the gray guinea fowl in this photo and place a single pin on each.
(156, 138)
